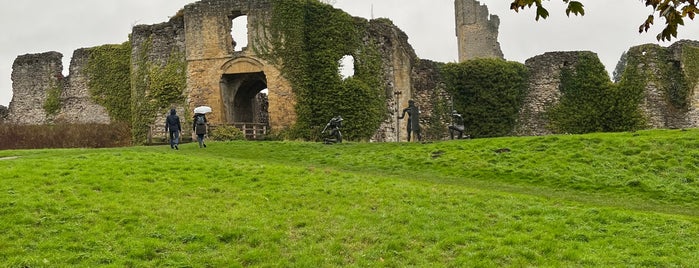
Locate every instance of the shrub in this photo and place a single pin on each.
(64, 136)
(590, 102)
(488, 93)
(226, 133)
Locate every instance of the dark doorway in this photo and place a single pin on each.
(243, 97)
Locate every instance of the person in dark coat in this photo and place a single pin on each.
(413, 120)
(199, 128)
(172, 125)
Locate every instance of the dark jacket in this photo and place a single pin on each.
(199, 129)
(172, 122)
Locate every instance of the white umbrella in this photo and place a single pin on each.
(202, 110)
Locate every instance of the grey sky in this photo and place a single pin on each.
(608, 28)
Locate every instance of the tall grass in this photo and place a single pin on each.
(64, 136)
(598, 200)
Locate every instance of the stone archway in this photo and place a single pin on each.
(242, 81)
(243, 99)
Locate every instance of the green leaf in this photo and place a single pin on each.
(541, 12)
(576, 8)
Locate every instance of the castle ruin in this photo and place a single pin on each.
(218, 74)
(476, 31)
(231, 79)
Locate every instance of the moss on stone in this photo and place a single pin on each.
(52, 104)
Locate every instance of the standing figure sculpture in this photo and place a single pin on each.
(457, 125)
(335, 135)
(413, 120)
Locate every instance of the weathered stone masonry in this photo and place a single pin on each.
(230, 81)
(476, 31)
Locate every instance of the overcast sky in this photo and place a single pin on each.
(608, 28)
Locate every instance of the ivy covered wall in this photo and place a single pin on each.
(668, 78)
(590, 102)
(108, 70)
(158, 77)
(309, 38)
(155, 88)
(488, 93)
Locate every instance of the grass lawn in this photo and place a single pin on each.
(613, 199)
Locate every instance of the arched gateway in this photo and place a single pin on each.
(244, 95)
(230, 79)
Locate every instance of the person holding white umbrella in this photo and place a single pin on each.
(200, 123)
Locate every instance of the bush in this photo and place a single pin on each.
(488, 93)
(64, 136)
(226, 133)
(590, 102)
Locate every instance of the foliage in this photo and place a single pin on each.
(673, 11)
(52, 104)
(109, 72)
(309, 38)
(226, 133)
(64, 136)
(666, 75)
(690, 59)
(437, 126)
(553, 201)
(589, 101)
(488, 93)
(620, 67)
(155, 86)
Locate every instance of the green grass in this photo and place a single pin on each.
(621, 199)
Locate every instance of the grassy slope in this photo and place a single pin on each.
(589, 200)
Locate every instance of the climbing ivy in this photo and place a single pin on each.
(652, 64)
(52, 104)
(108, 71)
(690, 59)
(590, 102)
(308, 39)
(488, 93)
(155, 86)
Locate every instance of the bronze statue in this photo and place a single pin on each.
(457, 125)
(335, 135)
(413, 120)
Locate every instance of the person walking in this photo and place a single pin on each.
(199, 128)
(172, 125)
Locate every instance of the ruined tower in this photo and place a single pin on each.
(476, 31)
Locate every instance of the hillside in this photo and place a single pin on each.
(619, 199)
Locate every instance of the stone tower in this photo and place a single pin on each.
(476, 31)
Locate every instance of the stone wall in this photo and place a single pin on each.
(211, 54)
(4, 112)
(476, 31)
(77, 106)
(544, 90)
(202, 33)
(406, 78)
(32, 77)
(660, 68)
(432, 99)
(654, 62)
(154, 45)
